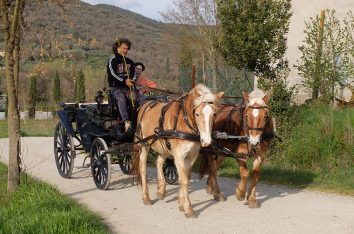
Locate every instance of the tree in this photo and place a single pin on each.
(196, 19)
(254, 35)
(57, 96)
(32, 98)
(80, 87)
(327, 55)
(11, 18)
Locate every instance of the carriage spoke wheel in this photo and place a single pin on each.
(64, 151)
(100, 164)
(170, 171)
(126, 164)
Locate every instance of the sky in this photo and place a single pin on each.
(148, 8)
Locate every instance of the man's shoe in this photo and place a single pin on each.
(127, 125)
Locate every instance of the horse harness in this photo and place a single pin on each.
(160, 132)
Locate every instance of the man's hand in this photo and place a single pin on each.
(129, 82)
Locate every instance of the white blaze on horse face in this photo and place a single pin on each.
(255, 112)
(254, 140)
(205, 133)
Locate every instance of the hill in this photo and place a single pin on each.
(152, 42)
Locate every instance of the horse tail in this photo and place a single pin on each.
(204, 165)
(135, 171)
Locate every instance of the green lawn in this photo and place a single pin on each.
(37, 207)
(31, 128)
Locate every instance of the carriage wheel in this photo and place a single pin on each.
(170, 171)
(64, 151)
(126, 164)
(100, 164)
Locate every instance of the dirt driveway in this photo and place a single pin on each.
(283, 210)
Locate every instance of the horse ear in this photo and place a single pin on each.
(220, 95)
(246, 96)
(266, 98)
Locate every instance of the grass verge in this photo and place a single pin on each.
(39, 208)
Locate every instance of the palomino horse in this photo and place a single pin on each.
(192, 117)
(251, 118)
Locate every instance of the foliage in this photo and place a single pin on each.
(254, 39)
(39, 208)
(328, 60)
(253, 35)
(32, 98)
(80, 87)
(321, 140)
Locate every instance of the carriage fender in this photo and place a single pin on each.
(63, 116)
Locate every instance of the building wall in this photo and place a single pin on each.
(302, 11)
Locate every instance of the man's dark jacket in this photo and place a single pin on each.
(117, 71)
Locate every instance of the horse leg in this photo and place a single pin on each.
(251, 196)
(142, 168)
(214, 165)
(210, 161)
(161, 185)
(241, 186)
(183, 166)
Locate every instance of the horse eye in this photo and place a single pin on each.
(214, 114)
(197, 114)
(266, 116)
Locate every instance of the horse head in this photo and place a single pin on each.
(256, 116)
(204, 111)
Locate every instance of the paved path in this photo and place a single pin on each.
(283, 210)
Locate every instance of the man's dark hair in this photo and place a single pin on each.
(119, 42)
(140, 64)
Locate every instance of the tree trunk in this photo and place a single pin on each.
(10, 25)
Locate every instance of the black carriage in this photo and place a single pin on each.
(93, 129)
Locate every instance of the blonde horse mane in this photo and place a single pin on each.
(256, 96)
(205, 95)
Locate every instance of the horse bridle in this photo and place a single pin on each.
(252, 128)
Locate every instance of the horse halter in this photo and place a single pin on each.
(194, 128)
(253, 128)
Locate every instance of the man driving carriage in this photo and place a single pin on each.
(123, 74)
(121, 77)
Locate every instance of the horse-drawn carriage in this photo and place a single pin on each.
(93, 129)
(183, 127)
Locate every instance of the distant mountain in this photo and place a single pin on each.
(152, 41)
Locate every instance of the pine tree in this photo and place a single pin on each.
(32, 98)
(57, 96)
(80, 87)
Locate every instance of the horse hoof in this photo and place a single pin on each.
(240, 196)
(161, 196)
(190, 214)
(147, 201)
(220, 197)
(253, 205)
(208, 190)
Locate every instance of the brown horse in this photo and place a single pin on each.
(252, 119)
(192, 115)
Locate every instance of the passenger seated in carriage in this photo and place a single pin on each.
(122, 77)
